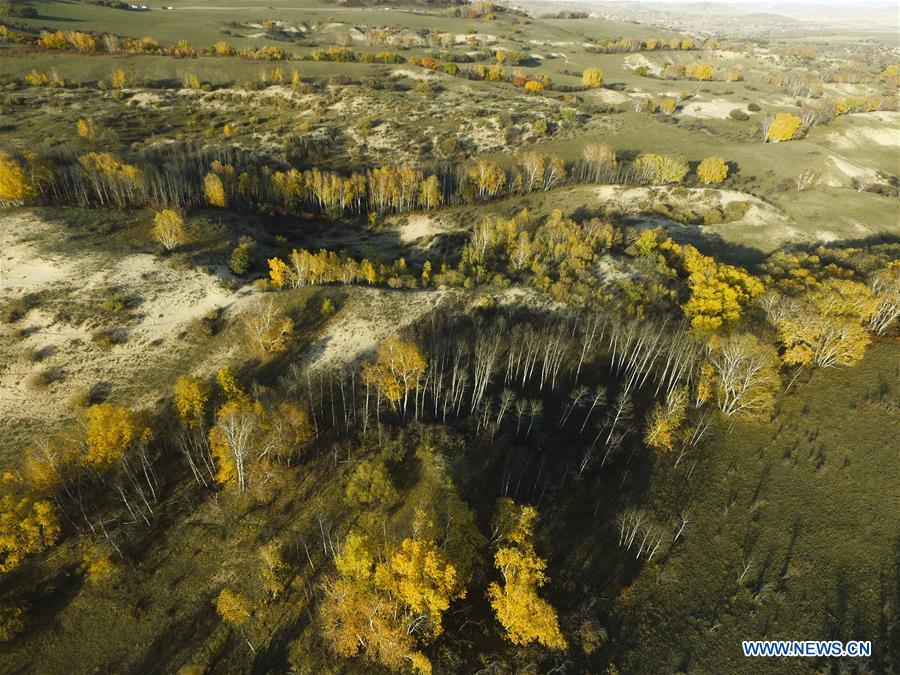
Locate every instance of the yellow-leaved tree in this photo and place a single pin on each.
(592, 77)
(85, 127)
(235, 442)
(651, 167)
(191, 397)
(699, 71)
(14, 184)
(420, 577)
(523, 614)
(712, 170)
(214, 190)
(168, 228)
(825, 326)
(370, 487)
(397, 370)
(745, 374)
(267, 327)
(782, 127)
(666, 419)
(359, 615)
(111, 431)
(234, 609)
(719, 292)
(26, 525)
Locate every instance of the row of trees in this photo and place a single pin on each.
(636, 44)
(114, 44)
(179, 180)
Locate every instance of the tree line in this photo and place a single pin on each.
(183, 177)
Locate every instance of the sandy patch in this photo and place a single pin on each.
(143, 99)
(417, 227)
(486, 135)
(167, 299)
(423, 74)
(629, 201)
(482, 38)
(370, 316)
(22, 267)
(634, 61)
(610, 96)
(716, 109)
(551, 43)
(885, 133)
(847, 172)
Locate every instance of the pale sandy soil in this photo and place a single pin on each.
(715, 109)
(486, 135)
(878, 128)
(413, 74)
(626, 200)
(610, 96)
(370, 316)
(418, 226)
(760, 220)
(156, 349)
(727, 55)
(483, 38)
(143, 99)
(169, 299)
(637, 60)
(846, 171)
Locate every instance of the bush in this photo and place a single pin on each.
(739, 115)
(47, 377)
(204, 327)
(753, 107)
(12, 622)
(107, 338)
(38, 355)
(85, 398)
(242, 256)
(736, 210)
(15, 309)
(23, 11)
(115, 301)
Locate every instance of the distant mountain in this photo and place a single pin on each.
(739, 18)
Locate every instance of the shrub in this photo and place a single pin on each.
(85, 398)
(15, 309)
(735, 210)
(204, 327)
(739, 115)
(242, 256)
(107, 338)
(712, 170)
(47, 377)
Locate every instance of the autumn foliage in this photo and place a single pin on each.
(523, 614)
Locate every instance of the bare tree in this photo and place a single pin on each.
(746, 374)
(805, 178)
